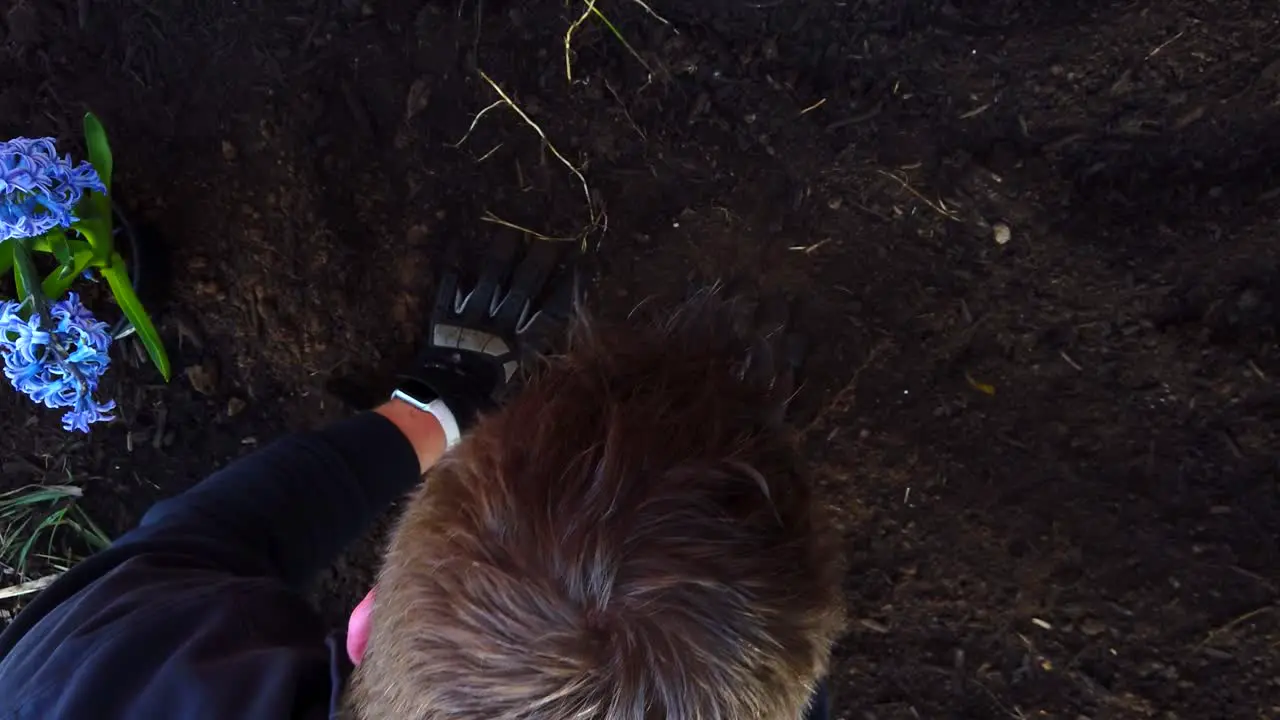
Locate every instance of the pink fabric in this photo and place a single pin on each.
(358, 629)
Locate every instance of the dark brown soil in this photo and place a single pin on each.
(1057, 460)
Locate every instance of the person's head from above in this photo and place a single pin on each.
(632, 537)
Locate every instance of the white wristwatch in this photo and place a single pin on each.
(436, 407)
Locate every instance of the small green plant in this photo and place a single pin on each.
(30, 513)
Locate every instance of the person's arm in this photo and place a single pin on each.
(288, 510)
(284, 512)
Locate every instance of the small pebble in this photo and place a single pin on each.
(1002, 233)
(235, 406)
(203, 377)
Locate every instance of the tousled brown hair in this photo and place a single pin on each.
(631, 538)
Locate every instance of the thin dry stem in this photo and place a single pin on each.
(586, 189)
(618, 34)
(489, 217)
(936, 206)
(568, 39)
(649, 10)
(590, 10)
(489, 154)
(1165, 44)
(28, 588)
(1235, 623)
(475, 121)
(814, 106)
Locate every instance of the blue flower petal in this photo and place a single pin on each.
(59, 367)
(39, 191)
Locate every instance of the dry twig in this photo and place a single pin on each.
(1235, 623)
(586, 189)
(28, 588)
(491, 218)
(937, 207)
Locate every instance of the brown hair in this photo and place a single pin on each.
(630, 538)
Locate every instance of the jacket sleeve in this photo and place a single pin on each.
(290, 509)
(283, 513)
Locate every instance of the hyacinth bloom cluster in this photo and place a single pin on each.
(60, 363)
(38, 190)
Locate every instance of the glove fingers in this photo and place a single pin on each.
(547, 327)
(493, 273)
(446, 296)
(527, 285)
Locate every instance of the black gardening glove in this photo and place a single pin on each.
(482, 330)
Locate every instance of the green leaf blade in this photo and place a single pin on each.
(57, 283)
(62, 251)
(95, 210)
(118, 278)
(97, 234)
(95, 138)
(25, 279)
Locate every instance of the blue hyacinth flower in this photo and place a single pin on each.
(38, 190)
(61, 366)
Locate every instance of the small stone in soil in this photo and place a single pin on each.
(203, 377)
(1002, 233)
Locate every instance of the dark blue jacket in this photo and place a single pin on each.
(198, 612)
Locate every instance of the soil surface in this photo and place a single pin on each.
(1036, 242)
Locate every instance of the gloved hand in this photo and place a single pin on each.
(481, 331)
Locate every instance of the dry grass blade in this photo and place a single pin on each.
(587, 12)
(814, 106)
(568, 39)
(489, 154)
(491, 218)
(27, 588)
(937, 207)
(586, 189)
(618, 34)
(649, 10)
(476, 121)
(1219, 631)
